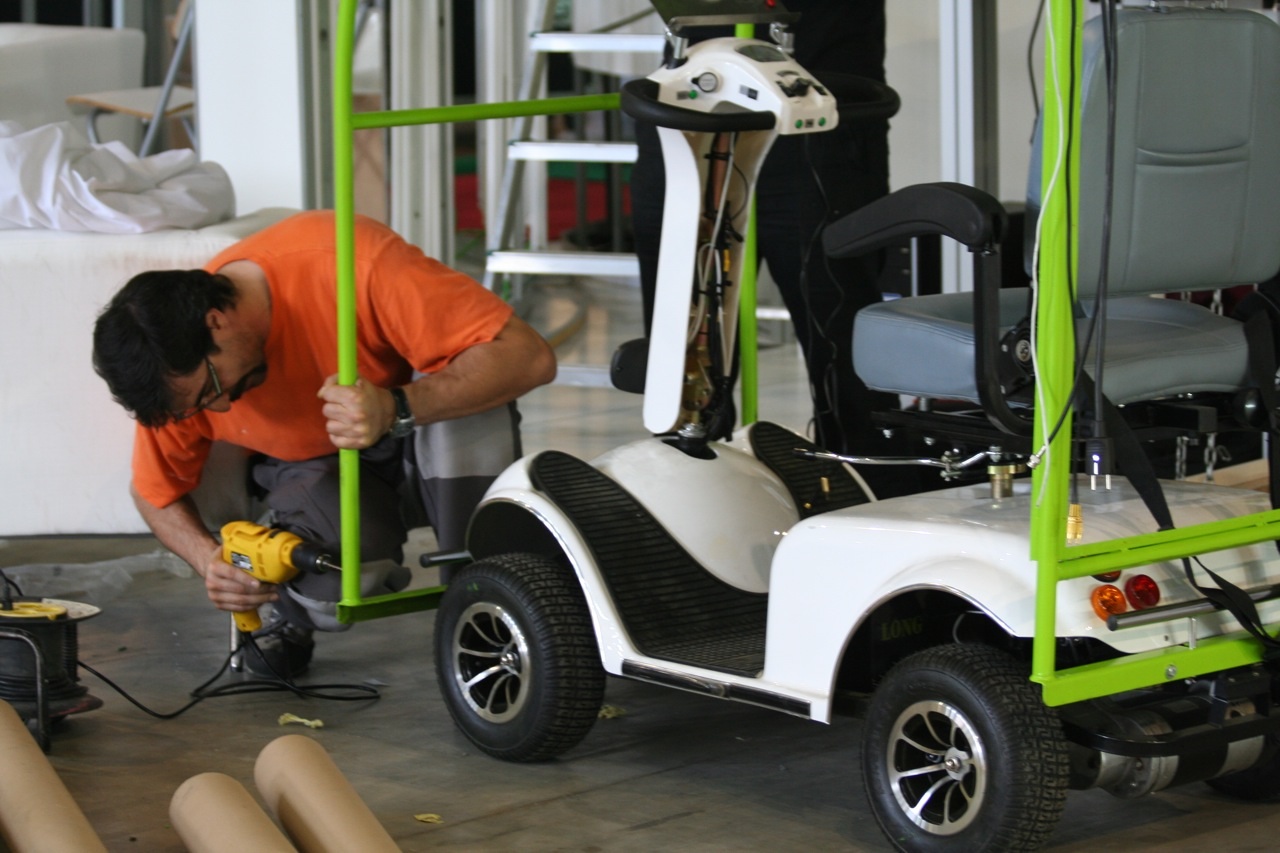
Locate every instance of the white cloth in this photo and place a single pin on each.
(53, 177)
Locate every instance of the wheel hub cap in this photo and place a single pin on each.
(937, 767)
(956, 762)
(490, 662)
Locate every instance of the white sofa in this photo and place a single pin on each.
(65, 444)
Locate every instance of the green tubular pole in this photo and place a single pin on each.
(1146, 669)
(344, 216)
(481, 112)
(1054, 323)
(748, 349)
(1145, 549)
(352, 607)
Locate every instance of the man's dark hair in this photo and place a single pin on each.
(152, 330)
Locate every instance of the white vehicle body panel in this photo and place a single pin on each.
(826, 574)
(678, 489)
(961, 541)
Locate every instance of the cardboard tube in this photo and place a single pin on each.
(313, 800)
(37, 813)
(213, 812)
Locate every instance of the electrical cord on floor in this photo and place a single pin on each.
(332, 692)
(9, 588)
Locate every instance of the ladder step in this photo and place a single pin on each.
(612, 264)
(769, 312)
(583, 376)
(574, 152)
(557, 42)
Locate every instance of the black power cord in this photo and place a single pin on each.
(1098, 450)
(280, 683)
(9, 588)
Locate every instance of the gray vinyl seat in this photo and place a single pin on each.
(1196, 205)
(1155, 347)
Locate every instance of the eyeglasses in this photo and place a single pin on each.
(252, 379)
(205, 398)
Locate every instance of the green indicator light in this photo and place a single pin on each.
(799, 123)
(822, 122)
(693, 93)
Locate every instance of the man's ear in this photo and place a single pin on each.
(215, 320)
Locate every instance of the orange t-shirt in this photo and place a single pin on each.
(413, 313)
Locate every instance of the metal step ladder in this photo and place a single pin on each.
(502, 256)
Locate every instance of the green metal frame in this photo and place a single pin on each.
(748, 350)
(1056, 561)
(353, 607)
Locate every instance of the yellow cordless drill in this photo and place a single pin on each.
(270, 555)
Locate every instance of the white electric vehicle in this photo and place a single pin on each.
(1008, 637)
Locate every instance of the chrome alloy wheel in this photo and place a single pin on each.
(937, 767)
(491, 662)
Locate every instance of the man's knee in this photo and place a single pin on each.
(305, 498)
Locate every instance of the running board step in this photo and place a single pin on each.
(717, 688)
(672, 608)
(570, 151)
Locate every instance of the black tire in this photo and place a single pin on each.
(516, 657)
(958, 735)
(1260, 784)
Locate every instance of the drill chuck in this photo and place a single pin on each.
(308, 557)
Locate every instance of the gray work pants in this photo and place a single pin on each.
(453, 462)
(304, 499)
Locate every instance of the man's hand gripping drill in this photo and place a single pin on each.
(270, 555)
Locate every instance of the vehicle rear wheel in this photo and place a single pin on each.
(1260, 784)
(516, 657)
(960, 753)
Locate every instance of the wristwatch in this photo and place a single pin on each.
(403, 424)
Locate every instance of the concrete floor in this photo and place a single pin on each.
(671, 772)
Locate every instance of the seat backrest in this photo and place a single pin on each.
(1196, 200)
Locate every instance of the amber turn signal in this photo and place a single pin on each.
(1107, 600)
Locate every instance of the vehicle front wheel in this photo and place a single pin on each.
(960, 753)
(516, 657)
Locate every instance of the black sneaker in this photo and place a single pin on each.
(282, 651)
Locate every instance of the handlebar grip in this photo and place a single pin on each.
(860, 98)
(640, 101)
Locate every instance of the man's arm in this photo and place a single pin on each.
(179, 528)
(479, 378)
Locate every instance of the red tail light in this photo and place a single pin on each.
(1142, 592)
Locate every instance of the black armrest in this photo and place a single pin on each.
(960, 212)
(969, 216)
